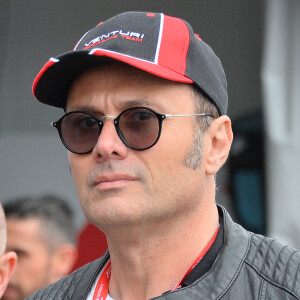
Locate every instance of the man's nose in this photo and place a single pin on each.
(109, 144)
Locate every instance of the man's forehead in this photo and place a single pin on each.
(126, 103)
(30, 221)
(28, 230)
(139, 84)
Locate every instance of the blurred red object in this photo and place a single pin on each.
(91, 243)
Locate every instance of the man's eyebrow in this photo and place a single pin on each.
(83, 107)
(122, 105)
(138, 102)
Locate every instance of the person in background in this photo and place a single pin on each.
(41, 231)
(145, 103)
(8, 259)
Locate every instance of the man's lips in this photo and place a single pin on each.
(108, 181)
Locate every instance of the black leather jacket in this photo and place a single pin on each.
(248, 266)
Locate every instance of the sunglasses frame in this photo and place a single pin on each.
(58, 124)
(160, 118)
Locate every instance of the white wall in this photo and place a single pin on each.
(281, 78)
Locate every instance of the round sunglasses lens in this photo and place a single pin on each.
(139, 127)
(80, 132)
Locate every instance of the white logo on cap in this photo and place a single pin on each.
(114, 33)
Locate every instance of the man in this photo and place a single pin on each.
(41, 231)
(8, 260)
(146, 132)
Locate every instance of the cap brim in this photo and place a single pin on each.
(52, 83)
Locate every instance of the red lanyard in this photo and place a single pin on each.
(203, 252)
(101, 290)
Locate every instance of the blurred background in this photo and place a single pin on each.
(258, 43)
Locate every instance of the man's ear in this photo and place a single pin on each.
(8, 263)
(218, 142)
(63, 261)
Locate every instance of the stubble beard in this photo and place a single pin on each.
(194, 156)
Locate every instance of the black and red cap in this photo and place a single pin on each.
(162, 45)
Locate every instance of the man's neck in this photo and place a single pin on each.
(152, 259)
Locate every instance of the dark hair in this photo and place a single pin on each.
(56, 216)
(203, 104)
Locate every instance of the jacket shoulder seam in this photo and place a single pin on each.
(262, 275)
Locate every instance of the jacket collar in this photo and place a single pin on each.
(225, 268)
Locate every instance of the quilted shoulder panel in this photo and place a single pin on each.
(277, 263)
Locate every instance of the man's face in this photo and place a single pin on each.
(118, 186)
(34, 260)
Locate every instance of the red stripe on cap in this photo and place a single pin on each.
(152, 68)
(174, 44)
(40, 74)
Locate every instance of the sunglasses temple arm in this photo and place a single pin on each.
(168, 116)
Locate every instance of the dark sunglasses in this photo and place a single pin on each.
(139, 128)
